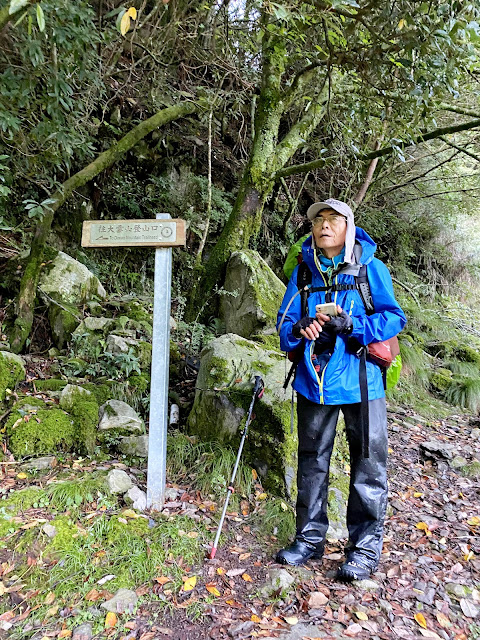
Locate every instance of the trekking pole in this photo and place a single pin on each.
(258, 390)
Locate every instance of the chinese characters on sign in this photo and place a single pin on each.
(120, 233)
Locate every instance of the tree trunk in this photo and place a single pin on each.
(24, 306)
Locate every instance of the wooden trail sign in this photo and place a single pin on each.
(162, 233)
(134, 233)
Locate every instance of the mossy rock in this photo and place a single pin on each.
(50, 384)
(466, 353)
(259, 294)
(441, 379)
(224, 393)
(63, 321)
(67, 280)
(40, 431)
(12, 371)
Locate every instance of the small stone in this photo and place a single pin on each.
(121, 601)
(97, 324)
(115, 414)
(171, 494)
(116, 344)
(243, 629)
(277, 579)
(118, 481)
(475, 434)
(366, 585)
(438, 448)
(137, 497)
(458, 462)
(134, 446)
(49, 530)
(457, 590)
(316, 600)
(70, 393)
(83, 632)
(38, 464)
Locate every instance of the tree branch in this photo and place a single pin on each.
(424, 137)
(461, 149)
(28, 285)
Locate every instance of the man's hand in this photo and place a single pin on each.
(341, 323)
(307, 327)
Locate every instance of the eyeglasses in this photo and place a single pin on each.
(335, 219)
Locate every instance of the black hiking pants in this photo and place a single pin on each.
(367, 500)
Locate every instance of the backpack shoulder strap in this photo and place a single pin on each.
(363, 287)
(304, 278)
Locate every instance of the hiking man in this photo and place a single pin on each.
(327, 379)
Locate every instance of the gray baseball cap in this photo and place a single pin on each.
(344, 210)
(331, 203)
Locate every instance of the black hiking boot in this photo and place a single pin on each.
(298, 553)
(355, 568)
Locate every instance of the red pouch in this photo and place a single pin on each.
(384, 353)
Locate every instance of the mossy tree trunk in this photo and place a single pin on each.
(268, 155)
(25, 302)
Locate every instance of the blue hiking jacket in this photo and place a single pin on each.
(338, 383)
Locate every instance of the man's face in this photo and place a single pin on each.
(329, 232)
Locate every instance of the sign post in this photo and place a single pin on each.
(162, 233)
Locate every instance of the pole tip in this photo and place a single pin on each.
(212, 553)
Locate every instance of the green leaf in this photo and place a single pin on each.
(16, 5)
(40, 18)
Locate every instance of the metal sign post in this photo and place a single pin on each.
(157, 434)
(162, 233)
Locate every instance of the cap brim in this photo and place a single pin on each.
(315, 208)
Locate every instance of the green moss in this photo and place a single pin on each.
(101, 391)
(467, 354)
(139, 383)
(144, 354)
(441, 379)
(51, 384)
(12, 371)
(136, 311)
(85, 413)
(48, 431)
(23, 499)
(66, 536)
(63, 322)
(472, 470)
(270, 341)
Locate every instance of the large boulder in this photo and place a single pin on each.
(259, 294)
(64, 284)
(70, 281)
(224, 392)
(12, 371)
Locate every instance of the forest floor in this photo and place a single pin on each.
(427, 585)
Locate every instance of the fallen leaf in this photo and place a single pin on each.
(360, 615)
(244, 556)
(474, 522)
(255, 618)
(443, 621)
(93, 595)
(254, 475)
(50, 598)
(22, 475)
(291, 620)
(130, 513)
(110, 620)
(423, 526)
(262, 496)
(246, 577)
(163, 580)
(192, 534)
(220, 571)
(189, 583)
(428, 633)
(232, 573)
(468, 608)
(106, 579)
(420, 619)
(353, 629)
(212, 588)
(65, 633)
